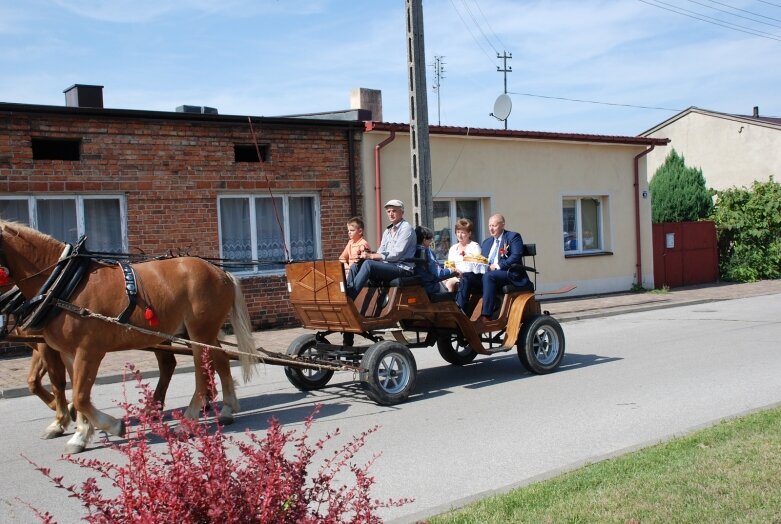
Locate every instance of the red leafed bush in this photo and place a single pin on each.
(196, 479)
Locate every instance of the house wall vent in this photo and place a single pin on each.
(201, 110)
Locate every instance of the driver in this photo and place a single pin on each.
(393, 258)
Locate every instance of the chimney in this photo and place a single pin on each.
(81, 95)
(370, 99)
(756, 111)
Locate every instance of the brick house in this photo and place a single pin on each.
(152, 182)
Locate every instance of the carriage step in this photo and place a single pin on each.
(500, 349)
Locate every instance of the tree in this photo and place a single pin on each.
(678, 193)
(748, 225)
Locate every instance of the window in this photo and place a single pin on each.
(67, 218)
(446, 212)
(583, 224)
(248, 153)
(56, 148)
(259, 227)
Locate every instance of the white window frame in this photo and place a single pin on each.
(258, 270)
(603, 202)
(32, 209)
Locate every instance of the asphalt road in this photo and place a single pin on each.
(626, 382)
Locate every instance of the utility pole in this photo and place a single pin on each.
(420, 152)
(504, 56)
(439, 70)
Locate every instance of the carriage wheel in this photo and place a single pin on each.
(541, 345)
(306, 379)
(454, 353)
(388, 372)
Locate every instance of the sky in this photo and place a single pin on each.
(609, 67)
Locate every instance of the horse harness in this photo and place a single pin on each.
(69, 271)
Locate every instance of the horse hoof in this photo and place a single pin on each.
(72, 449)
(226, 419)
(52, 433)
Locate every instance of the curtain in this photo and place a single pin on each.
(15, 210)
(301, 226)
(269, 236)
(102, 224)
(235, 231)
(57, 217)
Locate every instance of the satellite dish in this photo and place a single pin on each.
(502, 107)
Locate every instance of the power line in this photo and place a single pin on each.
(477, 4)
(737, 15)
(769, 3)
(479, 28)
(596, 102)
(713, 21)
(744, 11)
(471, 33)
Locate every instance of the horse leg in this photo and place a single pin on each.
(166, 363)
(200, 396)
(56, 370)
(230, 402)
(35, 377)
(85, 370)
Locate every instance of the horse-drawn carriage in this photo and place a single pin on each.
(175, 295)
(402, 309)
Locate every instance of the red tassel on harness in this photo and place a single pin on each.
(150, 317)
(4, 274)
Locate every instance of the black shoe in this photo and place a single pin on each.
(348, 339)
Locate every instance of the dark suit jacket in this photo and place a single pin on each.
(511, 252)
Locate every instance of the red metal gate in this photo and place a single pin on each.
(685, 253)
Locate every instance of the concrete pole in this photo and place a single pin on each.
(420, 152)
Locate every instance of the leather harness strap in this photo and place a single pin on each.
(132, 291)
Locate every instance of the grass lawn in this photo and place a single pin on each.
(728, 473)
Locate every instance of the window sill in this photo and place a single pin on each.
(588, 254)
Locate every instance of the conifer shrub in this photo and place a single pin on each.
(678, 193)
(198, 476)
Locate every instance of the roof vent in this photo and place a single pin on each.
(756, 111)
(201, 110)
(81, 95)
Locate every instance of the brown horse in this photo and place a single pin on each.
(46, 361)
(185, 293)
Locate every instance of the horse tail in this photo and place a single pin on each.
(242, 328)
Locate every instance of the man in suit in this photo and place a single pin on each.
(504, 249)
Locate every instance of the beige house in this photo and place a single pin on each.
(731, 150)
(582, 199)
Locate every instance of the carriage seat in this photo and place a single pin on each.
(529, 250)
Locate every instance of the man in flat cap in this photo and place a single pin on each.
(393, 258)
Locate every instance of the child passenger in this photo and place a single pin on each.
(430, 270)
(356, 245)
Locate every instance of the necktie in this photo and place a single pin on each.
(494, 250)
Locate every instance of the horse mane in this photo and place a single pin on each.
(26, 230)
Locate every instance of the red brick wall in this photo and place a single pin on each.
(171, 172)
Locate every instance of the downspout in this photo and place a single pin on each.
(638, 253)
(377, 183)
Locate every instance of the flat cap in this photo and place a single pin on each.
(394, 203)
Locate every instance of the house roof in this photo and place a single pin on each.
(527, 135)
(335, 119)
(765, 121)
